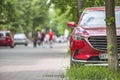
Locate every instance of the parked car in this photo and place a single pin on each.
(20, 39)
(88, 42)
(60, 39)
(6, 39)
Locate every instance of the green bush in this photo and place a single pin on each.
(91, 73)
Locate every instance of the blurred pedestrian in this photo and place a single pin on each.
(43, 33)
(39, 37)
(46, 39)
(51, 34)
(34, 36)
(66, 34)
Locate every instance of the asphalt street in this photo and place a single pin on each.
(29, 63)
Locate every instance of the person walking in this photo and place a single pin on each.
(34, 36)
(39, 37)
(66, 34)
(43, 33)
(50, 33)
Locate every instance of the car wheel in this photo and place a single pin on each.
(12, 46)
(26, 44)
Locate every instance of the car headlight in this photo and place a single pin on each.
(77, 37)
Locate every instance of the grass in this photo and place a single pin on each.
(80, 72)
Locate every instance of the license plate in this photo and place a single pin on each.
(105, 56)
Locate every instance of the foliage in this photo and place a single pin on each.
(91, 73)
(110, 20)
(66, 10)
(22, 15)
(26, 15)
(7, 11)
(59, 21)
(62, 5)
(110, 47)
(73, 16)
(34, 14)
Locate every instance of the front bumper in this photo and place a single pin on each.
(87, 61)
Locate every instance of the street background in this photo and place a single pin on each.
(29, 63)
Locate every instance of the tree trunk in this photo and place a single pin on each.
(111, 35)
(80, 2)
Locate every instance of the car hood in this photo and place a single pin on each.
(99, 31)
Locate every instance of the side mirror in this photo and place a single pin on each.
(71, 24)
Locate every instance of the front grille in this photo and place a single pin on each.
(100, 42)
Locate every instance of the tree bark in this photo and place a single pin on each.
(111, 35)
(80, 2)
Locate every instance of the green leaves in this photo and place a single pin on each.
(110, 47)
(91, 73)
(23, 14)
(110, 20)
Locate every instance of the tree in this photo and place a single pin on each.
(111, 35)
(20, 15)
(80, 6)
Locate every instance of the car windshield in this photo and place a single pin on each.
(19, 36)
(91, 18)
(1, 34)
(7, 34)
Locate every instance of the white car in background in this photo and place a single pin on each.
(60, 39)
(20, 39)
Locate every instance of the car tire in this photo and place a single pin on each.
(12, 46)
(26, 44)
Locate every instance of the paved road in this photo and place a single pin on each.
(29, 63)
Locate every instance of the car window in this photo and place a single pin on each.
(19, 36)
(7, 34)
(93, 17)
(1, 35)
(117, 14)
(97, 18)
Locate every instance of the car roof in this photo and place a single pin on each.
(19, 35)
(101, 8)
(4, 31)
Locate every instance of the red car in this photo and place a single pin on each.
(88, 42)
(6, 39)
